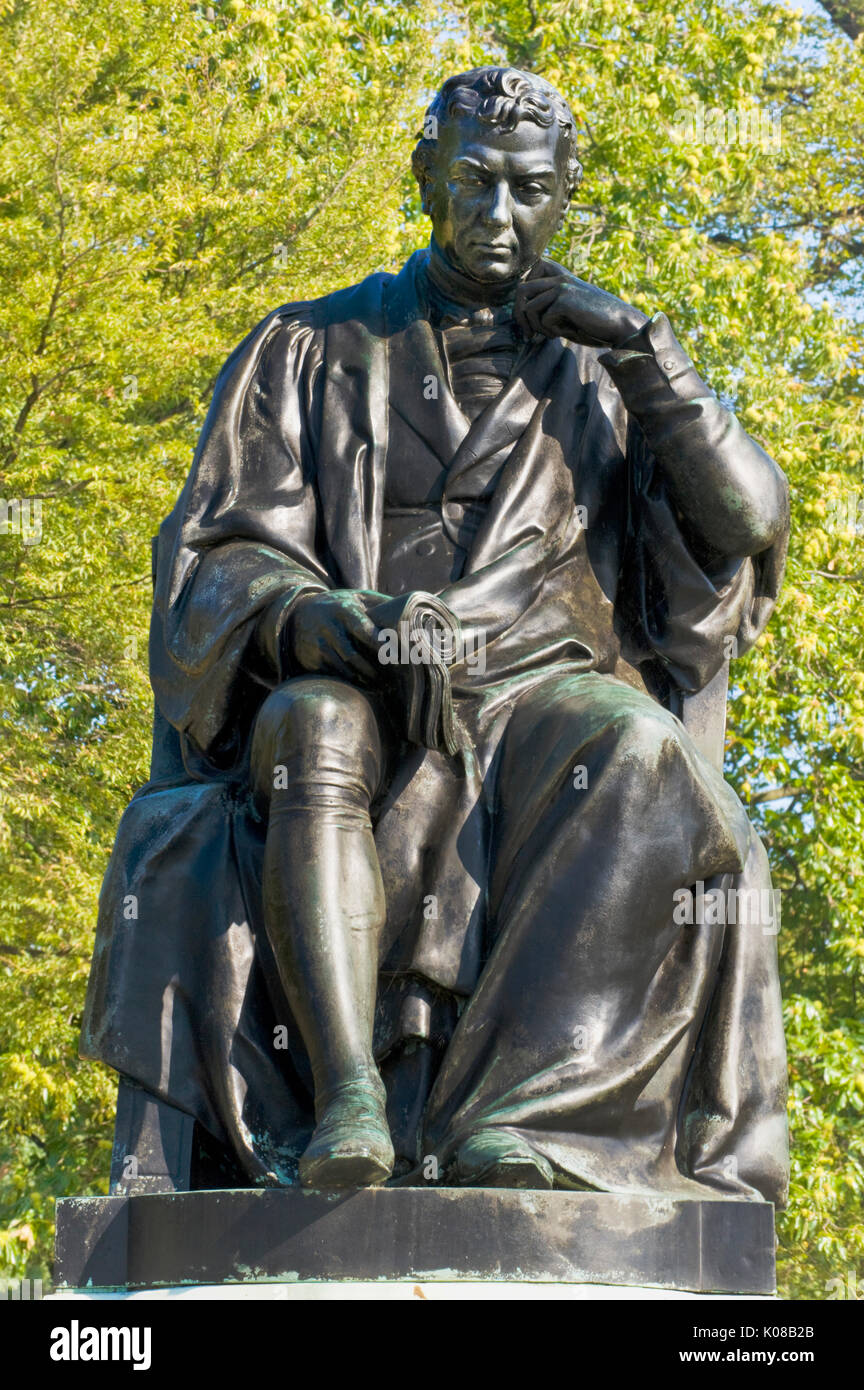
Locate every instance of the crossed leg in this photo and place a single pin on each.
(317, 762)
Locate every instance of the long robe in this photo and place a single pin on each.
(532, 975)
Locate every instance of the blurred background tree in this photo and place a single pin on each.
(168, 174)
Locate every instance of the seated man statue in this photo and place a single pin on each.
(396, 911)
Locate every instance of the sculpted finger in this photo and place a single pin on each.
(530, 290)
(526, 304)
(361, 648)
(367, 670)
(534, 311)
(351, 664)
(365, 634)
(519, 316)
(527, 288)
(369, 598)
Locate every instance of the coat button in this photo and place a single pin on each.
(426, 548)
(669, 364)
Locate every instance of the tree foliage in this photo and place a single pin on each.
(169, 173)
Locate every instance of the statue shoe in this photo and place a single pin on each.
(493, 1158)
(351, 1145)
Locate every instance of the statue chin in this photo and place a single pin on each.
(474, 274)
(487, 270)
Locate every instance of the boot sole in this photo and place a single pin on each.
(516, 1170)
(336, 1171)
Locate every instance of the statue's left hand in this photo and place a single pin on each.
(561, 306)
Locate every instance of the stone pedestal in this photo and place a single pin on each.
(427, 1235)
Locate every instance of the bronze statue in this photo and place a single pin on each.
(396, 910)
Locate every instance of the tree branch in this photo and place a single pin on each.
(848, 15)
(775, 794)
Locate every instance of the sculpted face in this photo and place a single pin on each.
(496, 199)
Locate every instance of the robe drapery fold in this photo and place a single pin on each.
(592, 606)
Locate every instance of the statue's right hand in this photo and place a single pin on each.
(332, 634)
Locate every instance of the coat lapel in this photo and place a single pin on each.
(352, 446)
(499, 427)
(419, 386)
(420, 390)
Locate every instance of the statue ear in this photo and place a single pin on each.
(422, 163)
(424, 182)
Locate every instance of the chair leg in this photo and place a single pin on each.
(153, 1144)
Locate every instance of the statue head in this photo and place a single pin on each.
(497, 166)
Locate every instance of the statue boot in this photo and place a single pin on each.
(494, 1158)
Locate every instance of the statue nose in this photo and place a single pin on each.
(498, 209)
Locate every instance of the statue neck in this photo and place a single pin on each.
(460, 288)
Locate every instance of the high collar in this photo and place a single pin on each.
(460, 288)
